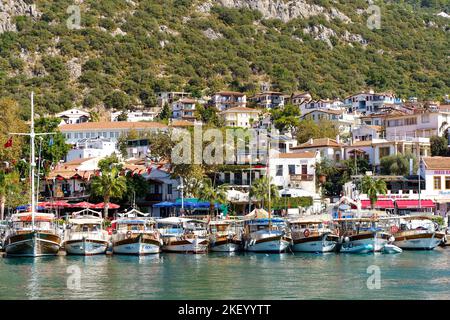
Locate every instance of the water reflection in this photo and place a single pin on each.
(415, 275)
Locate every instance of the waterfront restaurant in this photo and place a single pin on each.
(436, 173)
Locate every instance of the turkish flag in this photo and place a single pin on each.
(8, 143)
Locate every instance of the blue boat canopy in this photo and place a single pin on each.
(164, 204)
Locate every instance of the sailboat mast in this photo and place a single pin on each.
(268, 173)
(33, 162)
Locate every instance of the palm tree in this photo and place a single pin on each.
(373, 187)
(109, 185)
(9, 183)
(213, 195)
(260, 190)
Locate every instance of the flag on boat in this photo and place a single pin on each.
(9, 143)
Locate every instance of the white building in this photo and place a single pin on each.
(168, 97)
(135, 116)
(112, 130)
(370, 102)
(91, 148)
(422, 123)
(322, 104)
(73, 116)
(298, 99)
(327, 148)
(224, 100)
(240, 117)
(344, 122)
(184, 109)
(436, 172)
(295, 171)
(269, 100)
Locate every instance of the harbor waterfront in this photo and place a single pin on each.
(410, 275)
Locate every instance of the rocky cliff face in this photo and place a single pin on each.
(282, 9)
(12, 8)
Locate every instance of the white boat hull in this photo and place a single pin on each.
(86, 247)
(314, 246)
(136, 248)
(187, 246)
(275, 246)
(361, 248)
(418, 244)
(227, 247)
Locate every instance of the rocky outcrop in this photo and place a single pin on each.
(279, 9)
(325, 34)
(12, 8)
(211, 34)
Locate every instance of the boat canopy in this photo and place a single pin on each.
(28, 216)
(86, 220)
(132, 221)
(264, 221)
(177, 220)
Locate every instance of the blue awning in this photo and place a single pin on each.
(164, 204)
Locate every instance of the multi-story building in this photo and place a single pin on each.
(370, 102)
(295, 171)
(343, 121)
(184, 109)
(269, 100)
(240, 117)
(420, 123)
(73, 116)
(91, 148)
(168, 97)
(321, 104)
(228, 99)
(297, 99)
(135, 116)
(112, 130)
(328, 148)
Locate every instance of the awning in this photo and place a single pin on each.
(380, 204)
(414, 204)
(164, 204)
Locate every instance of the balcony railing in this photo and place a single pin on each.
(302, 177)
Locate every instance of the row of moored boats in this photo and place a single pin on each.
(83, 233)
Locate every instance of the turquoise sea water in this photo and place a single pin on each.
(409, 275)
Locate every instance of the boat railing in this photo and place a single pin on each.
(126, 235)
(95, 235)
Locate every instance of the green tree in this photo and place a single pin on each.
(109, 184)
(308, 129)
(439, 146)
(397, 164)
(212, 194)
(373, 187)
(260, 191)
(123, 116)
(9, 185)
(287, 118)
(10, 121)
(166, 113)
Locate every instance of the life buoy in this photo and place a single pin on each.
(306, 233)
(394, 229)
(128, 234)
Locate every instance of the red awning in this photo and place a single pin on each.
(101, 205)
(380, 204)
(414, 204)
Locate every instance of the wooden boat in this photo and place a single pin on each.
(266, 235)
(312, 236)
(85, 234)
(417, 233)
(360, 248)
(135, 236)
(224, 236)
(32, 235)
(356, 232)
(184, 235)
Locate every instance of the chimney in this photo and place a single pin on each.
(311, 141)
(338, 139)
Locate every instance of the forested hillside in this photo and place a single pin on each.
(125, 51)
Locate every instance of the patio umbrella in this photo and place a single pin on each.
(84, 204)
(101, 205)
(58, 204)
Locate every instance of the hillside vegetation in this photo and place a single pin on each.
(125, 51)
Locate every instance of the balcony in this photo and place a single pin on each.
(301, 177)
(154, 197)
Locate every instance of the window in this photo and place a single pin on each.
(279, 169)
(291, 169)
(304, 169)
(447, 183)
(169, 188)
(384, 152)
(425, 118)
(227, 177)
(437, 182)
